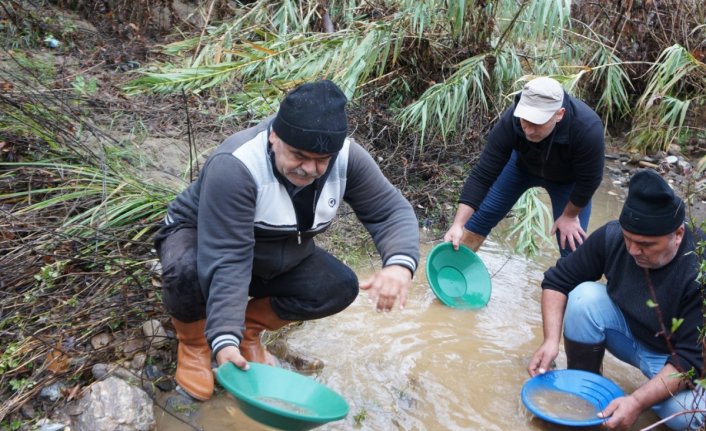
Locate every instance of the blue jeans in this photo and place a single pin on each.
(591, 317)
(507, 189)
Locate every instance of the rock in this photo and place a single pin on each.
(52, 392)
(674, 150)
(458, 170)
(51, 42)
(101, 340)
(27, 410)
(299, 361)
(614, 170)
(138, 362)
(132, 346)
(154, 266)
(182, 404)
(114, 405)
(635, 158)
(154, 374)
(102, 371)
(154, 332)
(51, 426)
(683, 167)
(47, 425)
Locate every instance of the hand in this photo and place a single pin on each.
(232, 354)
(623, 412)
(543, 358)
(387, 285)
(454, 235)
(569, 230)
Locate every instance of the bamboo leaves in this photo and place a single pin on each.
(676, 81)
(88, 199)
(609, 73)
(531, 222)
(444, 105)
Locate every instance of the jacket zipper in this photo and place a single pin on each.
(549, 150)
(296, 215)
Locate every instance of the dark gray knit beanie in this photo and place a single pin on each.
(312, 117)
(651, 207)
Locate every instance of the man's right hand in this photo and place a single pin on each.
(232, 354)
(454, 235)
(543, 358)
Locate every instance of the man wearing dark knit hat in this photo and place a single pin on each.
(547, 139)
(650, 266)
(237, 246)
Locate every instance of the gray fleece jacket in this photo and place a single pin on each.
(247, 224)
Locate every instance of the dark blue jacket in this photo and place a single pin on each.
(677, 291)
(573, 153)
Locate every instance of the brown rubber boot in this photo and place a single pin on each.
(193, 372)
(259, 316)
(472, 240)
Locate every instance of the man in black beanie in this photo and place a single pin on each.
(650, 266)
(237, 246)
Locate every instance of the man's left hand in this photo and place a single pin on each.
(570, 231)
(388, 285)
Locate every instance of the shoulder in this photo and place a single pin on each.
(606, 235)
(353, 153)
(506, 127)
(238, 139)
(612, 230)
(582, 114)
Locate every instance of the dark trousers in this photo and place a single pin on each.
(506, 191)
(319, 286)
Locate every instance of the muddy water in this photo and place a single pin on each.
(430, 367)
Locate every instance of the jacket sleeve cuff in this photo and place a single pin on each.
(222, 341)
(402, 260)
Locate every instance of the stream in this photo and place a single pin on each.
(431, 367)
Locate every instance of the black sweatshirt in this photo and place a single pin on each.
(677, 291)
(573, 152)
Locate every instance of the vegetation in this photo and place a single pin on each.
(426, 79)
(443, 69)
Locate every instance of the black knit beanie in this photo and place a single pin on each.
(312, 117)
(651, 208)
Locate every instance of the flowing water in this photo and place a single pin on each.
(431, 367)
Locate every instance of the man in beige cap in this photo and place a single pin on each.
(546, 139)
